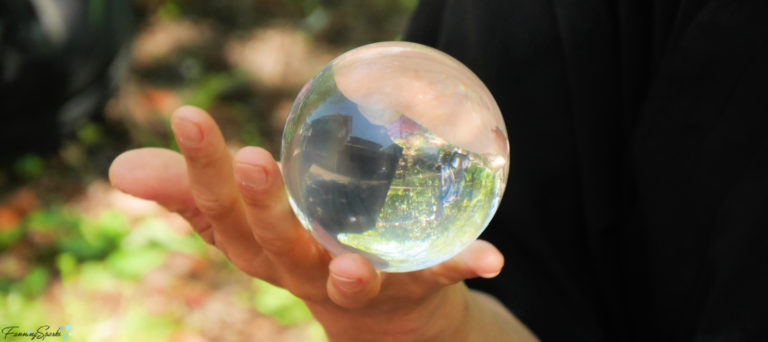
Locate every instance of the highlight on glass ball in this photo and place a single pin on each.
(395, 151)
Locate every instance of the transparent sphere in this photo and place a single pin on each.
(395, 151)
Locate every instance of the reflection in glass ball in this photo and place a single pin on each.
(395, 151)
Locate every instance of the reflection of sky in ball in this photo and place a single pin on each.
(361, 127)
(368, 178)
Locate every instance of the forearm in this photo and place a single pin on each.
(491, 321)
(455, 313)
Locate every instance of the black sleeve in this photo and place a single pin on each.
(550, 280)
(424, 27)
(636, 203)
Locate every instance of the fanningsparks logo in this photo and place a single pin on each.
(41, 333)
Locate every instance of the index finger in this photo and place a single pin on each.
(212, 184)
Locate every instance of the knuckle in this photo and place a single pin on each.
(213, 206)
(202, 158)
(281, 240)
(275, 244)
(256, 199)
(195, 218)
(199, 223)
(206, 232)
(251, 266)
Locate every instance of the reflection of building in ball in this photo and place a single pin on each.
(397, 152)
(345, 171)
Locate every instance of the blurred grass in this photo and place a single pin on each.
(74, 251)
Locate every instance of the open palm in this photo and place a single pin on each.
(238, 204)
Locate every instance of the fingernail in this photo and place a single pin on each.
(490, 275)
(252, 176)
(187, 131)
(347, 284)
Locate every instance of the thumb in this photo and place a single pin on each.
(479, 259)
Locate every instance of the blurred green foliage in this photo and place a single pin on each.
(34, 282)
(279, 304)
(90, 134)
(60, 263)
(106, 253)
(29, 166)
(169, 10)
(209, 88)
(59, 236)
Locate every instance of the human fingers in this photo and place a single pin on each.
(353, 282)
(212, 185)
(159, 175)
(261, 185)
(301, 260)
(479, 259)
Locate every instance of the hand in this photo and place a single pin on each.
(239, 205)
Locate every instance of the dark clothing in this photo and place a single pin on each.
(637, 202)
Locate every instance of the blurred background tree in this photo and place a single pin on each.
(83, 80)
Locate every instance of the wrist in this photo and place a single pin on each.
(442, 316)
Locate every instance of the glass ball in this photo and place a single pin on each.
(395, 151)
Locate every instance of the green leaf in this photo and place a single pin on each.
(280, 304)
(9, 236)
(53, 218)
(35, 282)
(135, 264)
(29, 166)
(89, 134)
(204, 93)
(169, 10)
(67, 265)
(112, 225)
